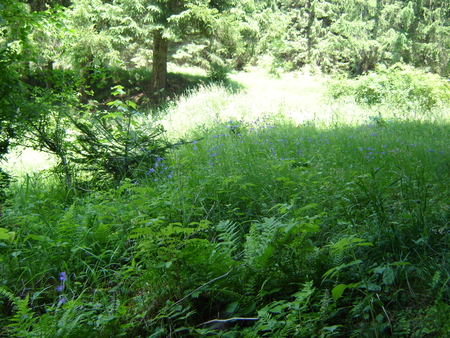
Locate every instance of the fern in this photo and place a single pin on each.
(22, 321)
(69, 230)
(338, 257)
(102, 234)
(10, 296)
(228, 238)
(260, 243)
(288, 318)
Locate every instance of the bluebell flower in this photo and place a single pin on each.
(63, 276)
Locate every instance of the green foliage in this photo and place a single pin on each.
(218, 73)
(404, 87)
(113, 144)
(288, 318)
(15, 25)
(262, 226)
(120, 143)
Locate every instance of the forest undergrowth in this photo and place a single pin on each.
(295, 207)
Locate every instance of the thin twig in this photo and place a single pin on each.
(226, 320)
(201, 286)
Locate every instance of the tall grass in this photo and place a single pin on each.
(281, 215)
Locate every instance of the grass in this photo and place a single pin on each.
(294, 213)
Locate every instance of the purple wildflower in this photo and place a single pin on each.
(63, 276)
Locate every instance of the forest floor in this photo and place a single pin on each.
(336, 212)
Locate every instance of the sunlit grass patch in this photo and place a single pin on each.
(297, 97)
(27, 161)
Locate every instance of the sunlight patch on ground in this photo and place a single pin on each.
(297, 96)
(25, 161)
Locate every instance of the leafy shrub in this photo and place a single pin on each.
(401, 85)
(121, 144)
(112, 144)
(218, 73)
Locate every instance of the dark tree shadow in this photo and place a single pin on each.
(136, 84)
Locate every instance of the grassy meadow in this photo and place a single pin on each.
(292, 209)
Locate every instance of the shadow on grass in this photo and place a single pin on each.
(136, 83)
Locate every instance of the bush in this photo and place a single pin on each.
(404, 86)
(218, 73)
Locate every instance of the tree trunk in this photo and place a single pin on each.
(311, 10)
(159, 67)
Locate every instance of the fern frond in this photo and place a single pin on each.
(229, 233)
(22, 321)
(229, 237)
(69, 229)
(10, 297)
(260, 242)
(102, 234)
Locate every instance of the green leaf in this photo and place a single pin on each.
(373, 287)
(379, 269)
(131, 104)
(335, 270)
(278, 307)
(6, 235)
(399, 263)
(388, 276)
(308, 227)
(118, 90)
(176, 228)
(339, 289)
(309, 206)
(231, 308)
(136, 233)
